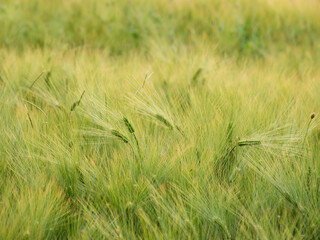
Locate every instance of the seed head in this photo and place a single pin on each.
(248, 143)
(119, 135)
(312, 116)
(128, 125)
(164, 121)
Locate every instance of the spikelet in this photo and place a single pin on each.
(128, 125)
(164, 121)
(312, 116)
(119, 135)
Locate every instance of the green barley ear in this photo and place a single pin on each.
(164, 121)
(47, 79)
(131, 130)
(312, 116)
(119, 135)
(128, 125)
(77, 103)
(248, 143)
(195, 77)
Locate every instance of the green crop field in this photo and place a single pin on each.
(168, 119)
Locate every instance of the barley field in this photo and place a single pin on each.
(168, 119)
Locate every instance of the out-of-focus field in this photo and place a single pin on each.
(145, 119)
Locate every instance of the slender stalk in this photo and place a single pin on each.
(312, 116)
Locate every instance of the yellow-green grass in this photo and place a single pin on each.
(159, 119)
